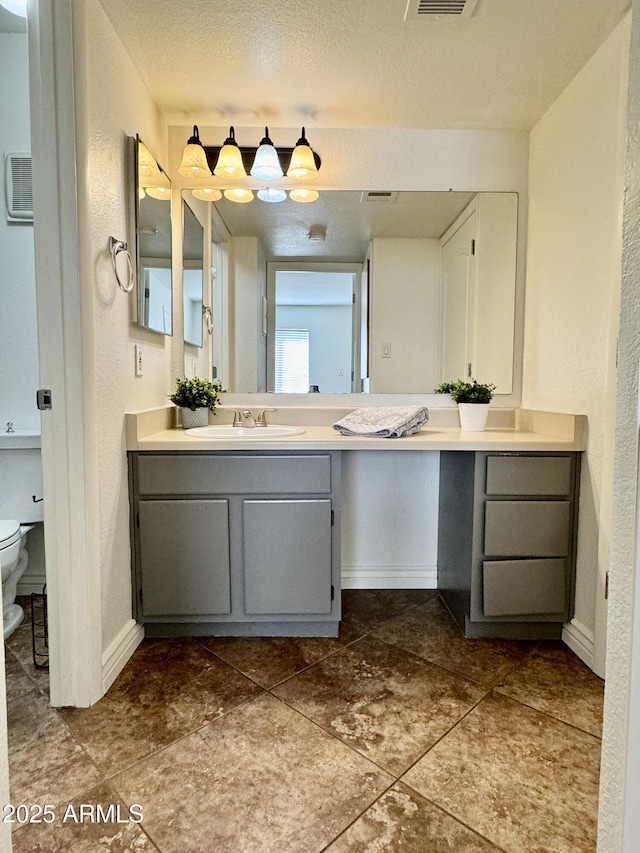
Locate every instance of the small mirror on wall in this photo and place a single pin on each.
(153, 242)
(192, 275)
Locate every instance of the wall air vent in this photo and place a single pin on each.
(438, 10)
(378, 195)
(19, 188)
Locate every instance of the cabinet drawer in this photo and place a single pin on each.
(245, 474)
(528, 475)
(523, 587)
(527, 528)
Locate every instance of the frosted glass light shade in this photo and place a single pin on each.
(207, 194)
(266, 165)
(303, 196)
(194, 160)
(147, 166)
(272, 195)
(239, 195)
(230, 165)
(303, 165)
(161, 193)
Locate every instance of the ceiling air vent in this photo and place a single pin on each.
(438, 10)
(19, 188)
(378, 195)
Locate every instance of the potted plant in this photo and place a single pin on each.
(195, 398)
(473, 400)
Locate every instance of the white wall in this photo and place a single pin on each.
(573, 282)
(248, 284)
(329, 342)
(404, 300)
(18, 324)
(112, 104)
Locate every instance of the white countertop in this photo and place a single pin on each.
(532, 431)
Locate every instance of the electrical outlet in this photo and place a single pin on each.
(386, 350)
(138, 360)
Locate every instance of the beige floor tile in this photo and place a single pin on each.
(402, 821)
(388, 704)
(260, 779)
(520, 778)
(169, 688)
(81, 827)
(270, 660)
(46, 764)
(430, 631)
(20, 643)
(553, 679)
(17, 679)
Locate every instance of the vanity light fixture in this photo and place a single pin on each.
(303, 196)
(207, 194)
(239, 195)
(232, 162)
(160, 193)
(194, 160)
(230, 165)
(303, 166)
(266, 165)
(272, 195)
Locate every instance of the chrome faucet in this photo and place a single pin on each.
(248, 419)
(10, 426)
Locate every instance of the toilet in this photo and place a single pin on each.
(13, 562)
(21, 506)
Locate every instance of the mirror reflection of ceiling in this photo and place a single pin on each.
(10, 23)
(286, 63)
(350, 218)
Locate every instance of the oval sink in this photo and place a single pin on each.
(227, 432)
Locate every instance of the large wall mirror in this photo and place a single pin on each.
(192, 275)
(153, 242)
(370, 292)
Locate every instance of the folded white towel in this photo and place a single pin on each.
(383, 421)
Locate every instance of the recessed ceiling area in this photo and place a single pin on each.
(286, 63)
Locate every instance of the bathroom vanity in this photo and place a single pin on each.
(243, 536)
(236, 542)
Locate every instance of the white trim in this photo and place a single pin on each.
(389, 577)
(119, 652)
(580, 640)
(69, 476)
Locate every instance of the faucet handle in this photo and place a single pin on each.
(237, 418)
(261, 420)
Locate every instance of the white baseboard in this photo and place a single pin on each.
(27, 585)
(580, 640)
(389, 577)
(118, 653)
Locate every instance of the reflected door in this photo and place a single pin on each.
(458, 275)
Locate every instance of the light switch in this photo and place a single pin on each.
(386, 350)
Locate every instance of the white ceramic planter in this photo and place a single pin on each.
(473, 416)
(191, 419)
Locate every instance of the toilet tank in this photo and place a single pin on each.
(20, 476)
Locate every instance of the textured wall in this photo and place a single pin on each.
(113, 104)
(621, 741)
(573, 279)
(18, 329)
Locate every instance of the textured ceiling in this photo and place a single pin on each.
(357, 63)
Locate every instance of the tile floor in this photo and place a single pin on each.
(399, 735)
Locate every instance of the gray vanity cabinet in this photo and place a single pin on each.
(507, 541)
(236, 543)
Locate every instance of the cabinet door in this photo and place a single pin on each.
(184, 557)
(287, 556)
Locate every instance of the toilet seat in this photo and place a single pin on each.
(10, 533)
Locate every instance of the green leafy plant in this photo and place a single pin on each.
(467, 392)
(196, 393)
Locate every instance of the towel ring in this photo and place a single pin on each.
(116, 247)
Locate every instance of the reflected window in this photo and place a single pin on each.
(292, 361)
